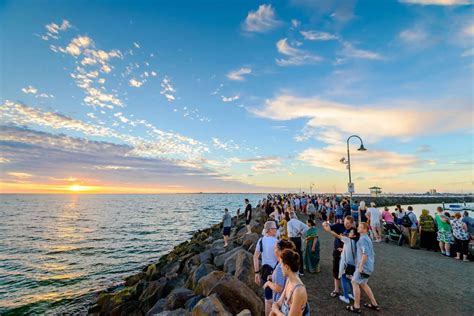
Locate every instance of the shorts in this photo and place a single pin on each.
(268, 293)
(375, 224)
(335, 266)
(226, 231)
(445, 236)
(247, 221)
(358, 278)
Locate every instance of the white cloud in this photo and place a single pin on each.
(239, 74)
(404, 119)
(468, 53)
(318, 36)
(262, 20)
(53, 29)
(168, 89)
(413, 36)
(136, 44)
(438, 2)
(295, 23)
(351, 51)
(30, 90)
(20, 175)
(230, 99)
(227, 146)
(468, 30)
(136, 83)
(296, 57)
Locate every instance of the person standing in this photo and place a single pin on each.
(311, 210)
(461, 236)
(311, 254)
(296, 230)
(265, 249)
(374, 216)
(362, 212)
(427, 230)
(226, 224)
(248, 215)
(365, 260)
(444, 237)
(339, 228)
(413, 229)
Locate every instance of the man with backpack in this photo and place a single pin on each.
(265, 249)
(410, 222)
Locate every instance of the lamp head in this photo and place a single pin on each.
(362, 148)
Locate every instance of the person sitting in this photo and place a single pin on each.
(294, 299)
(387, 216)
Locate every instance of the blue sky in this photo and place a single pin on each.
(236, 95)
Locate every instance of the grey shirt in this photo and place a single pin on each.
(227, 219)
(365, 246)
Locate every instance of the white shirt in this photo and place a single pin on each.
(374, 214)
(268, 253)
(296, 228)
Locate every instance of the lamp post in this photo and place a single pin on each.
(311, 188)
(350, 185)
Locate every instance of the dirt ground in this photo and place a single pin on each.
(405, 282)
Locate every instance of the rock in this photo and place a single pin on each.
(220, 259)
(153, 292)
(177, 312)
(152, 272)
(192, 302)
(249, 240)
(157, 308)
(201, 271)
(209, 306)
(245, 312)
(133, 279)
(244, 271)
(229, 263)
(171, 269)
(125, 309)
(173, 283)
(109, 301)
(177, 298)
(241, 232)
(205, 256)
(233, 293)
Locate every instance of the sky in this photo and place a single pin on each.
(236, 96)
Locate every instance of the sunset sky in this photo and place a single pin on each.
(235, 96)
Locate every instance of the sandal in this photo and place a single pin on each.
(374, 307)
(335, 294)
(352, 309)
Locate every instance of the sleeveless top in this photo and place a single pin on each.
(458, 231)
(285, 308)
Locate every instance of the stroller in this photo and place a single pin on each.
(392, 233)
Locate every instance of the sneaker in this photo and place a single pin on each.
(351, 296)
(344, 299)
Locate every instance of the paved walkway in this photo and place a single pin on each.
(405, 282)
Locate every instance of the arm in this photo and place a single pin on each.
(256, 255)
(275, 287)
(328, 229)
(276, 305)
(313, 248)
(362, 262)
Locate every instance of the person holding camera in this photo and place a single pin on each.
(365, 259)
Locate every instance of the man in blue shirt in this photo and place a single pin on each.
(364, 267)
(413, 230)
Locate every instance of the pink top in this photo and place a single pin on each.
(387, 216)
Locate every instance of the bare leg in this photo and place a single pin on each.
(337, 284)
(369, 293)
(268, 307)
(441, 246)
(356, 291)
(226, 240)
(249, 230)
(448, 247)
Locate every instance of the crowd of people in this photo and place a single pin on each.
(289, 248)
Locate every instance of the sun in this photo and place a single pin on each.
(77, 188)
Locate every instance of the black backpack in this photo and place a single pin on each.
(406, 221)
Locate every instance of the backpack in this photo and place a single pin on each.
(406, 221)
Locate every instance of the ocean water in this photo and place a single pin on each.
(56, 251)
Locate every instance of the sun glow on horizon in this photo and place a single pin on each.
(78, 188)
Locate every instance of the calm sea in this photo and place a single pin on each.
(56, 251)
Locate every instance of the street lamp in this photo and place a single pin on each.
(311, 188)
(348, 162)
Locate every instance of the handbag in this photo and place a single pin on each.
(350, 268)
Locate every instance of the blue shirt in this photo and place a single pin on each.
(227, 219)
(365, 246)
(279, 279)
(413, 219)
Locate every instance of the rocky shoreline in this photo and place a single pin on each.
(201, 277)
(198, 277)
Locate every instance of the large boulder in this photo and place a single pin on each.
(133, 279)
(234, 294)
(173, 283)
(220, 259)
(229, 263)
(189, 305)
(245, 312)
(205, 256)
(245, 272)
(151, 294)
(177, 298)
(177, 312)
(128, 308)
(201, 271)
(157, 308)
(249, 240)
(210, 306)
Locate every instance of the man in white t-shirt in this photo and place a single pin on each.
(374, 216)
(265, 249)
(296, 230)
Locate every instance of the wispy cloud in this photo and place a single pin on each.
(239, 75)
(350, 51)
(318, 36)
(227, 146)
(168, 90)
(262, 20)
(53, 29)
(296, 57)
(439, 2)
(136, 83)
(413, 36)
(36, 93)
(230, 99)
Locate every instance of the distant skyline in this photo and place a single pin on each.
(236, 96)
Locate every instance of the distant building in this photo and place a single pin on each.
(432, 192)
(375, 191)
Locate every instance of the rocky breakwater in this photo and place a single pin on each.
(198, 277)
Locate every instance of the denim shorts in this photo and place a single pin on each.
(359, 279)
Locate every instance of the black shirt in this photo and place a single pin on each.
(248, 211)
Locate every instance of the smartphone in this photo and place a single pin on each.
(364, 275)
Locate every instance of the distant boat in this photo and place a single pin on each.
(458, 207)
